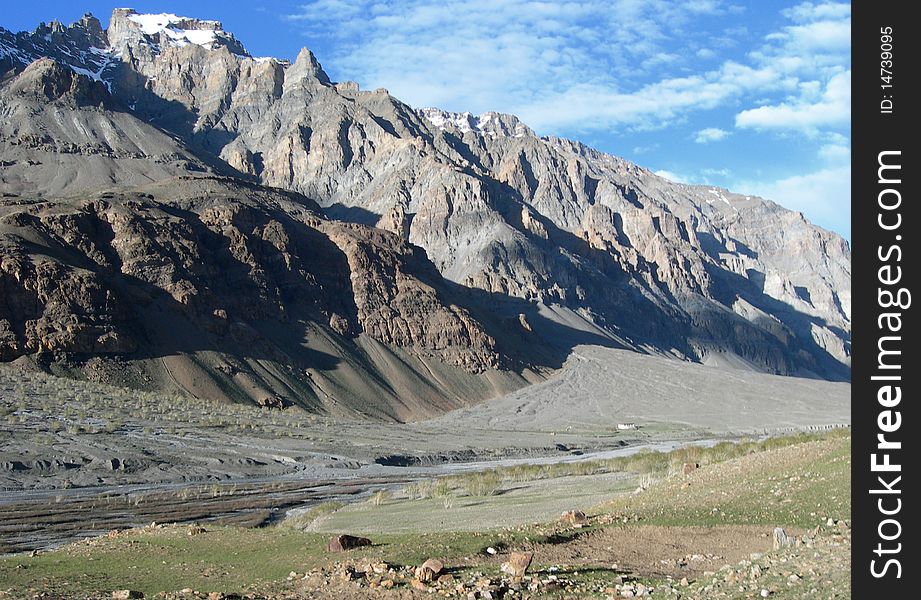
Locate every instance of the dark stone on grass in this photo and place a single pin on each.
(341, 543)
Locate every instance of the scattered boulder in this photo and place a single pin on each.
(781, 539)
(517, 564)
(195, 530)
(429, 570)
(341, 543)
(378, 568)
(689, 468)
(348, 573)
(574, 517)
(271, 402)
(126, 595)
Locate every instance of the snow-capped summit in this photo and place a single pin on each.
(88, 49)
(173, 26)
(166, 29)
(490, 124)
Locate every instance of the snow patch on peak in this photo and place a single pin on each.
(441, 118)
(489, 124)
(719, 194)
(201, 33)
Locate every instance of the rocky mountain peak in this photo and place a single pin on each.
(82, 46)
(86, 32)
(129, 28)
(47, 80)
(306, 66)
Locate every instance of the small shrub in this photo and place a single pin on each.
(485, 483)
(380, 497)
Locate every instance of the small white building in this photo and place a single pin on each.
(623, 426)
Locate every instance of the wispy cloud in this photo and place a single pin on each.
(802, 113)
(710, 134)
(578, 66)
(672, 176)
(558, 64)
(823, 193)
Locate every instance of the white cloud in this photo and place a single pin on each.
(710, 134)
(645, 149)
(705, 53)
(586, 65)
(671, 176)
(823, 194)
(835, 153)
(724, 172)
(808, 12)
(558, 65)
(832, 109)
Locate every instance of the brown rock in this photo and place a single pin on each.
(434, 565)
(689, 468)
(378, 568)
(416, 583)
(518, 563)
(574, 517)
(341, 543)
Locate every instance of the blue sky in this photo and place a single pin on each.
(753, 95)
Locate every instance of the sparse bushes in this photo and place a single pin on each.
(420, 490)
(303, 519)
(650, 465)
(484, 483)
(380, 497)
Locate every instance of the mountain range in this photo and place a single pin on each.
(179, 215)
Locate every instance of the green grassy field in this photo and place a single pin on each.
(802, 492)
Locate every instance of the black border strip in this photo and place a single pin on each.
(879, 256)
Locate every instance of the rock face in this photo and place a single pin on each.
(131, 165)
(238, 292)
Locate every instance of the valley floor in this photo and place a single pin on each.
(702, 534)
(78, 459)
